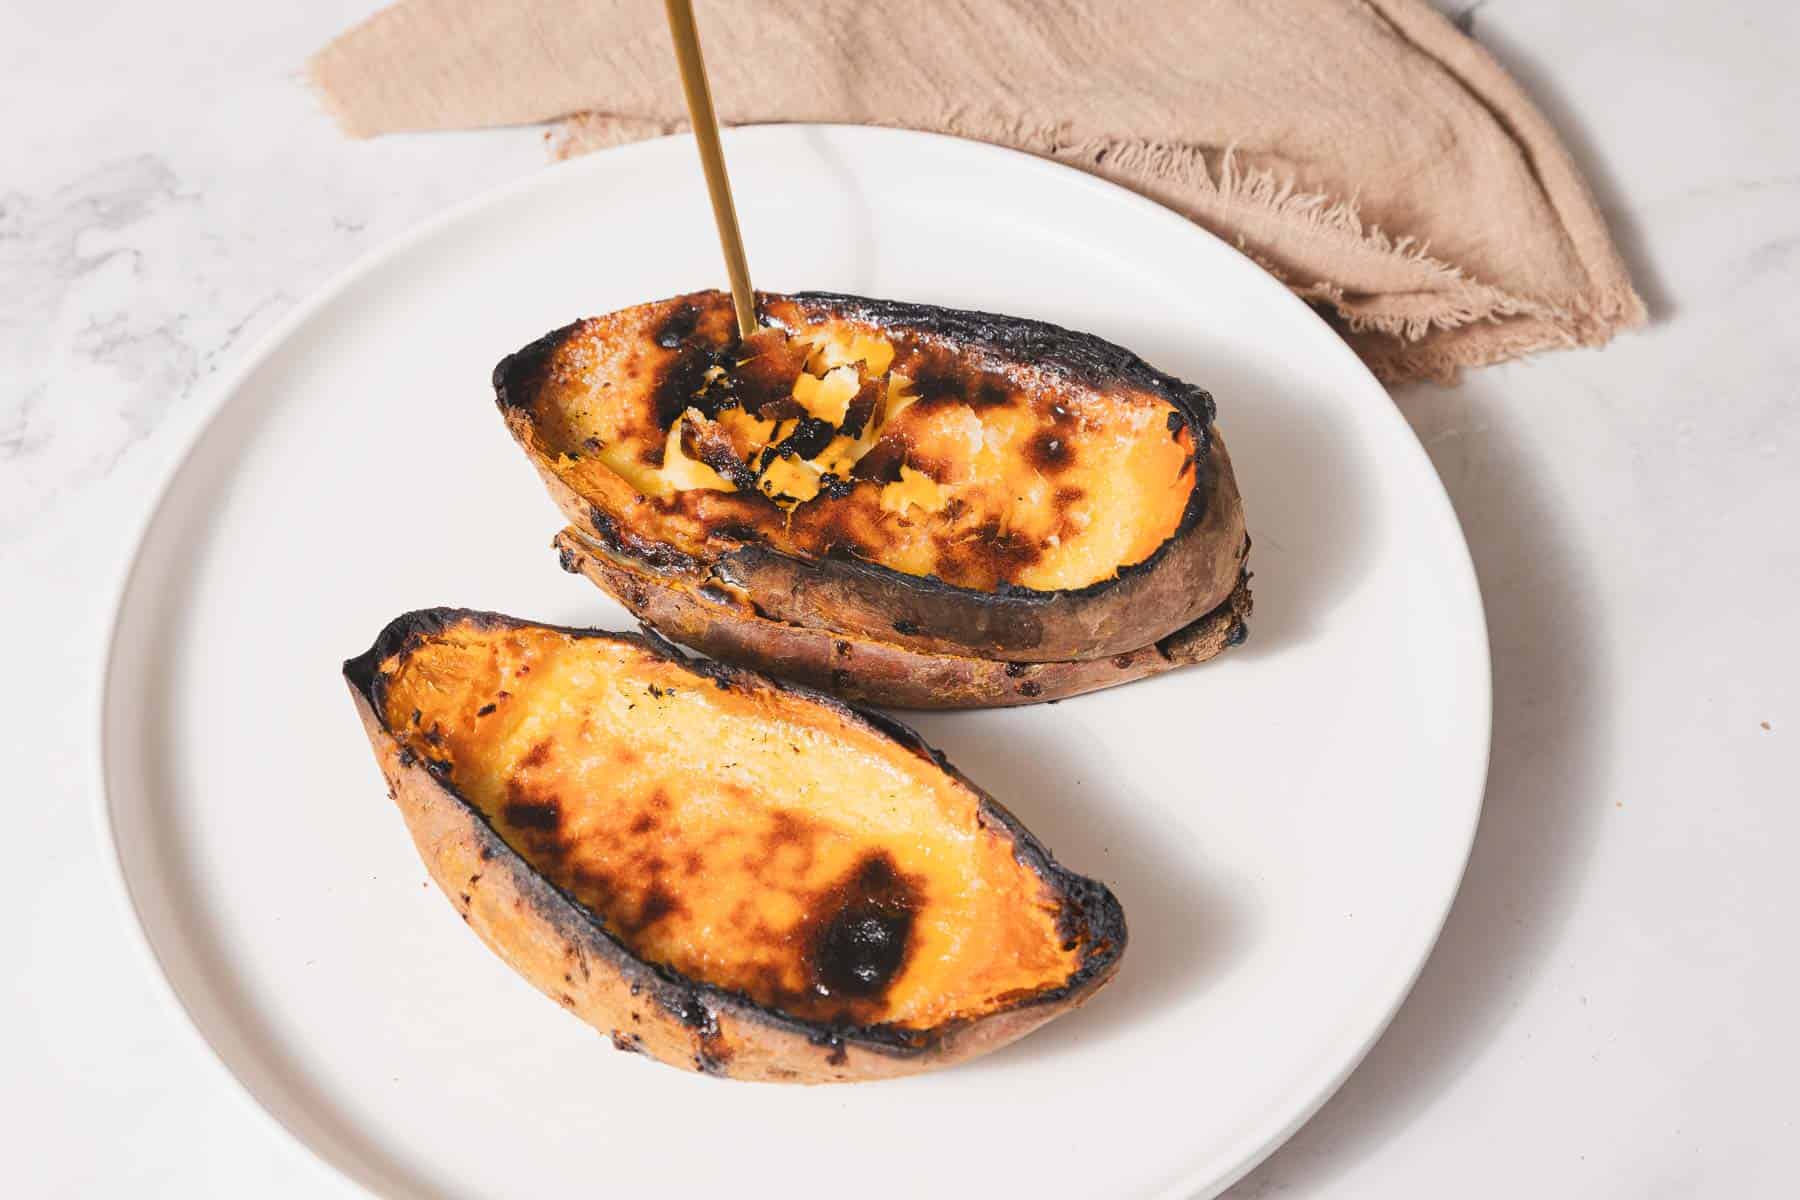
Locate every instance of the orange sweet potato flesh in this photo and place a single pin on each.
(792, 861)
(967, 474)
(949, 482)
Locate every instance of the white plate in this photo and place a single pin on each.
(1286, 826)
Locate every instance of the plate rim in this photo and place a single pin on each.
(178, 446)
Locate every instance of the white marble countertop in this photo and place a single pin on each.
(1612, 1008)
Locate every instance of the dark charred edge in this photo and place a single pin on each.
(407, 631)
(400, 636)
(664, 646)
(657, 557)
(519, 376)
(1092, 909)
(1081, 357)
(1090, 914)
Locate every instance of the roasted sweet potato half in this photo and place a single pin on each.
(732, 875)
(727, 627)
(944, 482)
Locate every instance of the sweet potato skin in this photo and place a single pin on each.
(1191, 574)
(569, 956)
(719, 625)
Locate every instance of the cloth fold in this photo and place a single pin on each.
(1366, 152)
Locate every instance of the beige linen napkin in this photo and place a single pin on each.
(1366, 152)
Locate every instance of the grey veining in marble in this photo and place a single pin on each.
(102, 366)
(142, 243)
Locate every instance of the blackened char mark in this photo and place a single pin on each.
(862, 406)
(707, 441)
(678, 326)
(994, 552)
(657, 555)
(679, 387)
(810, 437)
(882, 464)
(520, 375)
(763, 370)
(540, 815)
(687, 1007)
(1050, 452)
(938, 378)
(860, 948)
(835, 1052)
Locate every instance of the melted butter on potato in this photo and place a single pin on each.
(914, 489)
(827, 397)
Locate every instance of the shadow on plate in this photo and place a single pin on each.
(1183, 930)
(1538, 823)
(1306, 493)
(1306, 502)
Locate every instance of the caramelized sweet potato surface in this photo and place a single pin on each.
(835, 432)
(746, 836)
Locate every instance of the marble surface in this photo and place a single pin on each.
(1611, 1010)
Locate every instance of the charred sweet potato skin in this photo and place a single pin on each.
(1188, 574)
(563, 950)
(719, 624)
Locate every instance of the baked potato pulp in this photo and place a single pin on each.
(835, 431)
(743, 835)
